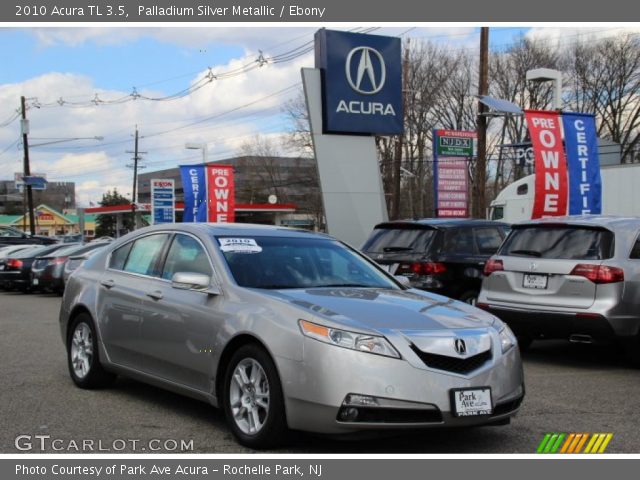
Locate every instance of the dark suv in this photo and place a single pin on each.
(445, 256)
(13, 236)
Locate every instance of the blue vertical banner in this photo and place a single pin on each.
(583, 164)
(194, 185)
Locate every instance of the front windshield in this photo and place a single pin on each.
(285, 262)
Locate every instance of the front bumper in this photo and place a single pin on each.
(316, 388)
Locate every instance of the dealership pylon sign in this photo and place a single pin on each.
(452, 150)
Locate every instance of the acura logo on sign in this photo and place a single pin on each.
(375, 76)
(460, 346)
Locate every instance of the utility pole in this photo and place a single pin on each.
(397, 166)
(479, 205)
(26, 168)
(134, 196)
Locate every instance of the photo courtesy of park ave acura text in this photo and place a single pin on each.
(290, 239)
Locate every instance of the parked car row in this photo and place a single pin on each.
(41, 267)
(575, 278)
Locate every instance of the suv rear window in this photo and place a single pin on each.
(559, 242)
(388, 240)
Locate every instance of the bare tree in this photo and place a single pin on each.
(605, 80)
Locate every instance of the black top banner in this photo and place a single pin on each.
(315, 11)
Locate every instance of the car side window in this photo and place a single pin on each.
(488, 240)
(635, 251)
(119, 256)
(186, 254)
(144, 255)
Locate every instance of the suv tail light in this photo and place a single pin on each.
(422, 268)
(13, 263)
(598, 273)
(493, 265)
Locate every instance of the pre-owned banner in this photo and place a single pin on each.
(550, 196)
(194, 185)
(581, 144)
(220, 186)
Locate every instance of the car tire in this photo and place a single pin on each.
(252, 399)
(83, 358)
(470, 297)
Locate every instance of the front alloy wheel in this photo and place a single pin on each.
(253, 400)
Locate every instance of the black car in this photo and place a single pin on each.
(16, 271)
(445, 256)
(47, 271)
(13, 236)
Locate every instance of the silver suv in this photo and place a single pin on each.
(568, 277)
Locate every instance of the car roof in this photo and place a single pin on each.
(231, 229)
(441, 223)
(610, 222)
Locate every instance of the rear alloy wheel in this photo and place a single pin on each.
(253, 401)
(83, 357)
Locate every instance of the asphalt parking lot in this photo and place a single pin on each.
(570, 388)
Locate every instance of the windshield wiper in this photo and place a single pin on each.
(397, 249)
(335, 285)
(531, 253)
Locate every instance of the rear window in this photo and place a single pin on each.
(389, 240)
(559, 242)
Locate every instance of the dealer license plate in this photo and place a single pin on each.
(1, 267)
(469, 402)
(535, 281)
(34, 281)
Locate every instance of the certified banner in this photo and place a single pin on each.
(585, 184)
(194, 185)
(220, 186)
(550, 197)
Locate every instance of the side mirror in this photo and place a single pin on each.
(193, 281)
(402, 280)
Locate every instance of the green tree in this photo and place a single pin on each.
(106, 224)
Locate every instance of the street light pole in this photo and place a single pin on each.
(199, 146)
(26, 167)
(548, 75)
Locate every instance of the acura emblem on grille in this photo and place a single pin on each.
(460, 346)
(533, 266)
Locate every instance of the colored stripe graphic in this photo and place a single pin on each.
(574, 443)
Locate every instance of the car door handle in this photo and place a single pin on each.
(156, 294)
(107, 283)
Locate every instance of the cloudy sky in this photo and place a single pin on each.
(201, 84)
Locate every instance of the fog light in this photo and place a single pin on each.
(360, 400)
(349, 414)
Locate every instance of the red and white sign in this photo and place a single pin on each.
(452, 187)
(550, 197)
(221, 193)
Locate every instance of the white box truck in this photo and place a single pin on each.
(620, 195)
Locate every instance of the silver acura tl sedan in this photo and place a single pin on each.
(285, 329)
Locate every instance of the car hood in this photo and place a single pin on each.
(384, 310)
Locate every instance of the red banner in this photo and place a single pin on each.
(221, 193)
(550, 197)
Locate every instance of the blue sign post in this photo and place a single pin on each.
(361, 83)
(163, 201)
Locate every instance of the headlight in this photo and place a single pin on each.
(507, 338)
(354, 341)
